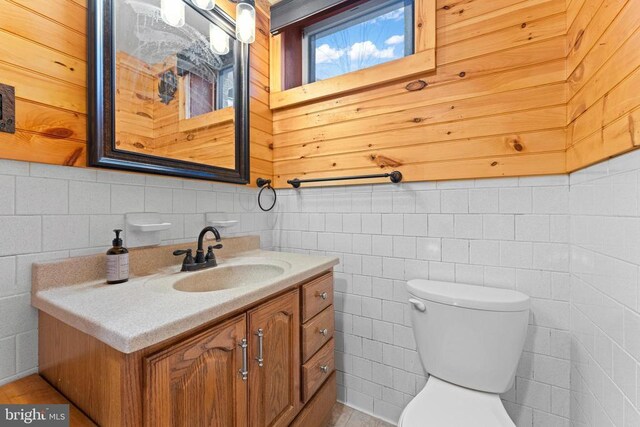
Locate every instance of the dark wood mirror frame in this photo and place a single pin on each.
(101, 105)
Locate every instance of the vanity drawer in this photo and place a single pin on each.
(317, 370)
(316, 332)
(316, 296)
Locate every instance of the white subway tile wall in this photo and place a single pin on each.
(571, 243)
(605, 304)
(501, 232)
(54, 212)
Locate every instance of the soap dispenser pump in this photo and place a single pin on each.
(117, 261)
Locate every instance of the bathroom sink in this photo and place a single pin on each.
(228, 277)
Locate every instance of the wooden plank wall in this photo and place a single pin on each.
(135, 99)
(43, 54)
(523, 87)
(496, 105)
(603, 65)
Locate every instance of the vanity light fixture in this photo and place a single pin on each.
(218, 40)
(172, 12)
(205, 4)
(245, 22)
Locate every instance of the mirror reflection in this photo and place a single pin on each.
(175, 83)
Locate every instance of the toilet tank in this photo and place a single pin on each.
(469, 335)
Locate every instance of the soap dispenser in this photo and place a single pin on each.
(117, 261)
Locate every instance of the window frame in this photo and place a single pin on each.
(349, 18)
(219, 101)
(422, 61)
(220, 115)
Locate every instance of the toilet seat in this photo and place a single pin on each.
(441, 404)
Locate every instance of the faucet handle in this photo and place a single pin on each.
(188, 259)
(210, 255)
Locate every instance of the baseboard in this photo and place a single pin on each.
(369, 413)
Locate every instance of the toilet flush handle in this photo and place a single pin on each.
(419, 305)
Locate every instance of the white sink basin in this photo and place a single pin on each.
(230, 274)
(227, 277)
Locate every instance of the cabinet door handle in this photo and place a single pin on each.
(260, 357)
(244, 372)
(324, 369)
(324, 332)
(323, 295)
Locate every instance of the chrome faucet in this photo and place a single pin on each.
(201, 260)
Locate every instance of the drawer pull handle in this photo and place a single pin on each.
(243, 372)
(324, 369)
(324, 332)
(260, 358)
(323, 295)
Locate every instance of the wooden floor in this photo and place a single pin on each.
(35, 390)
(343, 416)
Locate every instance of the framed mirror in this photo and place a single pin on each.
(168, 90)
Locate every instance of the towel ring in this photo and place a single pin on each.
(265, 184)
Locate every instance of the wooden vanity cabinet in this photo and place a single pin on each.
(274, 367)
(196, 379)
(198, 382)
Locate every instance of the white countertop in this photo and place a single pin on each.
(147, 310)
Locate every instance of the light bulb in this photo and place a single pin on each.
(205, 4)
(245, 23)
(172, 12)
(218, 40)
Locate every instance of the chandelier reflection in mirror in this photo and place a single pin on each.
(205, 4)
(172, 12)
(167, 86)
(218, 40)
(195, 57)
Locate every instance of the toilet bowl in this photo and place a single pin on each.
(469, 339)
(441, 404)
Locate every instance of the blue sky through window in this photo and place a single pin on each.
(378, 39)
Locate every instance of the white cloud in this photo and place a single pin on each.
(394, 15)
(397, 39)
(361, 51)
(325, 53)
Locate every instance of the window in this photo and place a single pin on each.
(203, 95)
(226, 85)
(349, 46)
(372, 33)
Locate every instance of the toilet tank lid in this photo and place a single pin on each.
(468, 296)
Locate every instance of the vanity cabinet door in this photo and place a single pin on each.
(274, 361)
(198, 381)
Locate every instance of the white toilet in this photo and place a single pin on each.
(469, 339)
